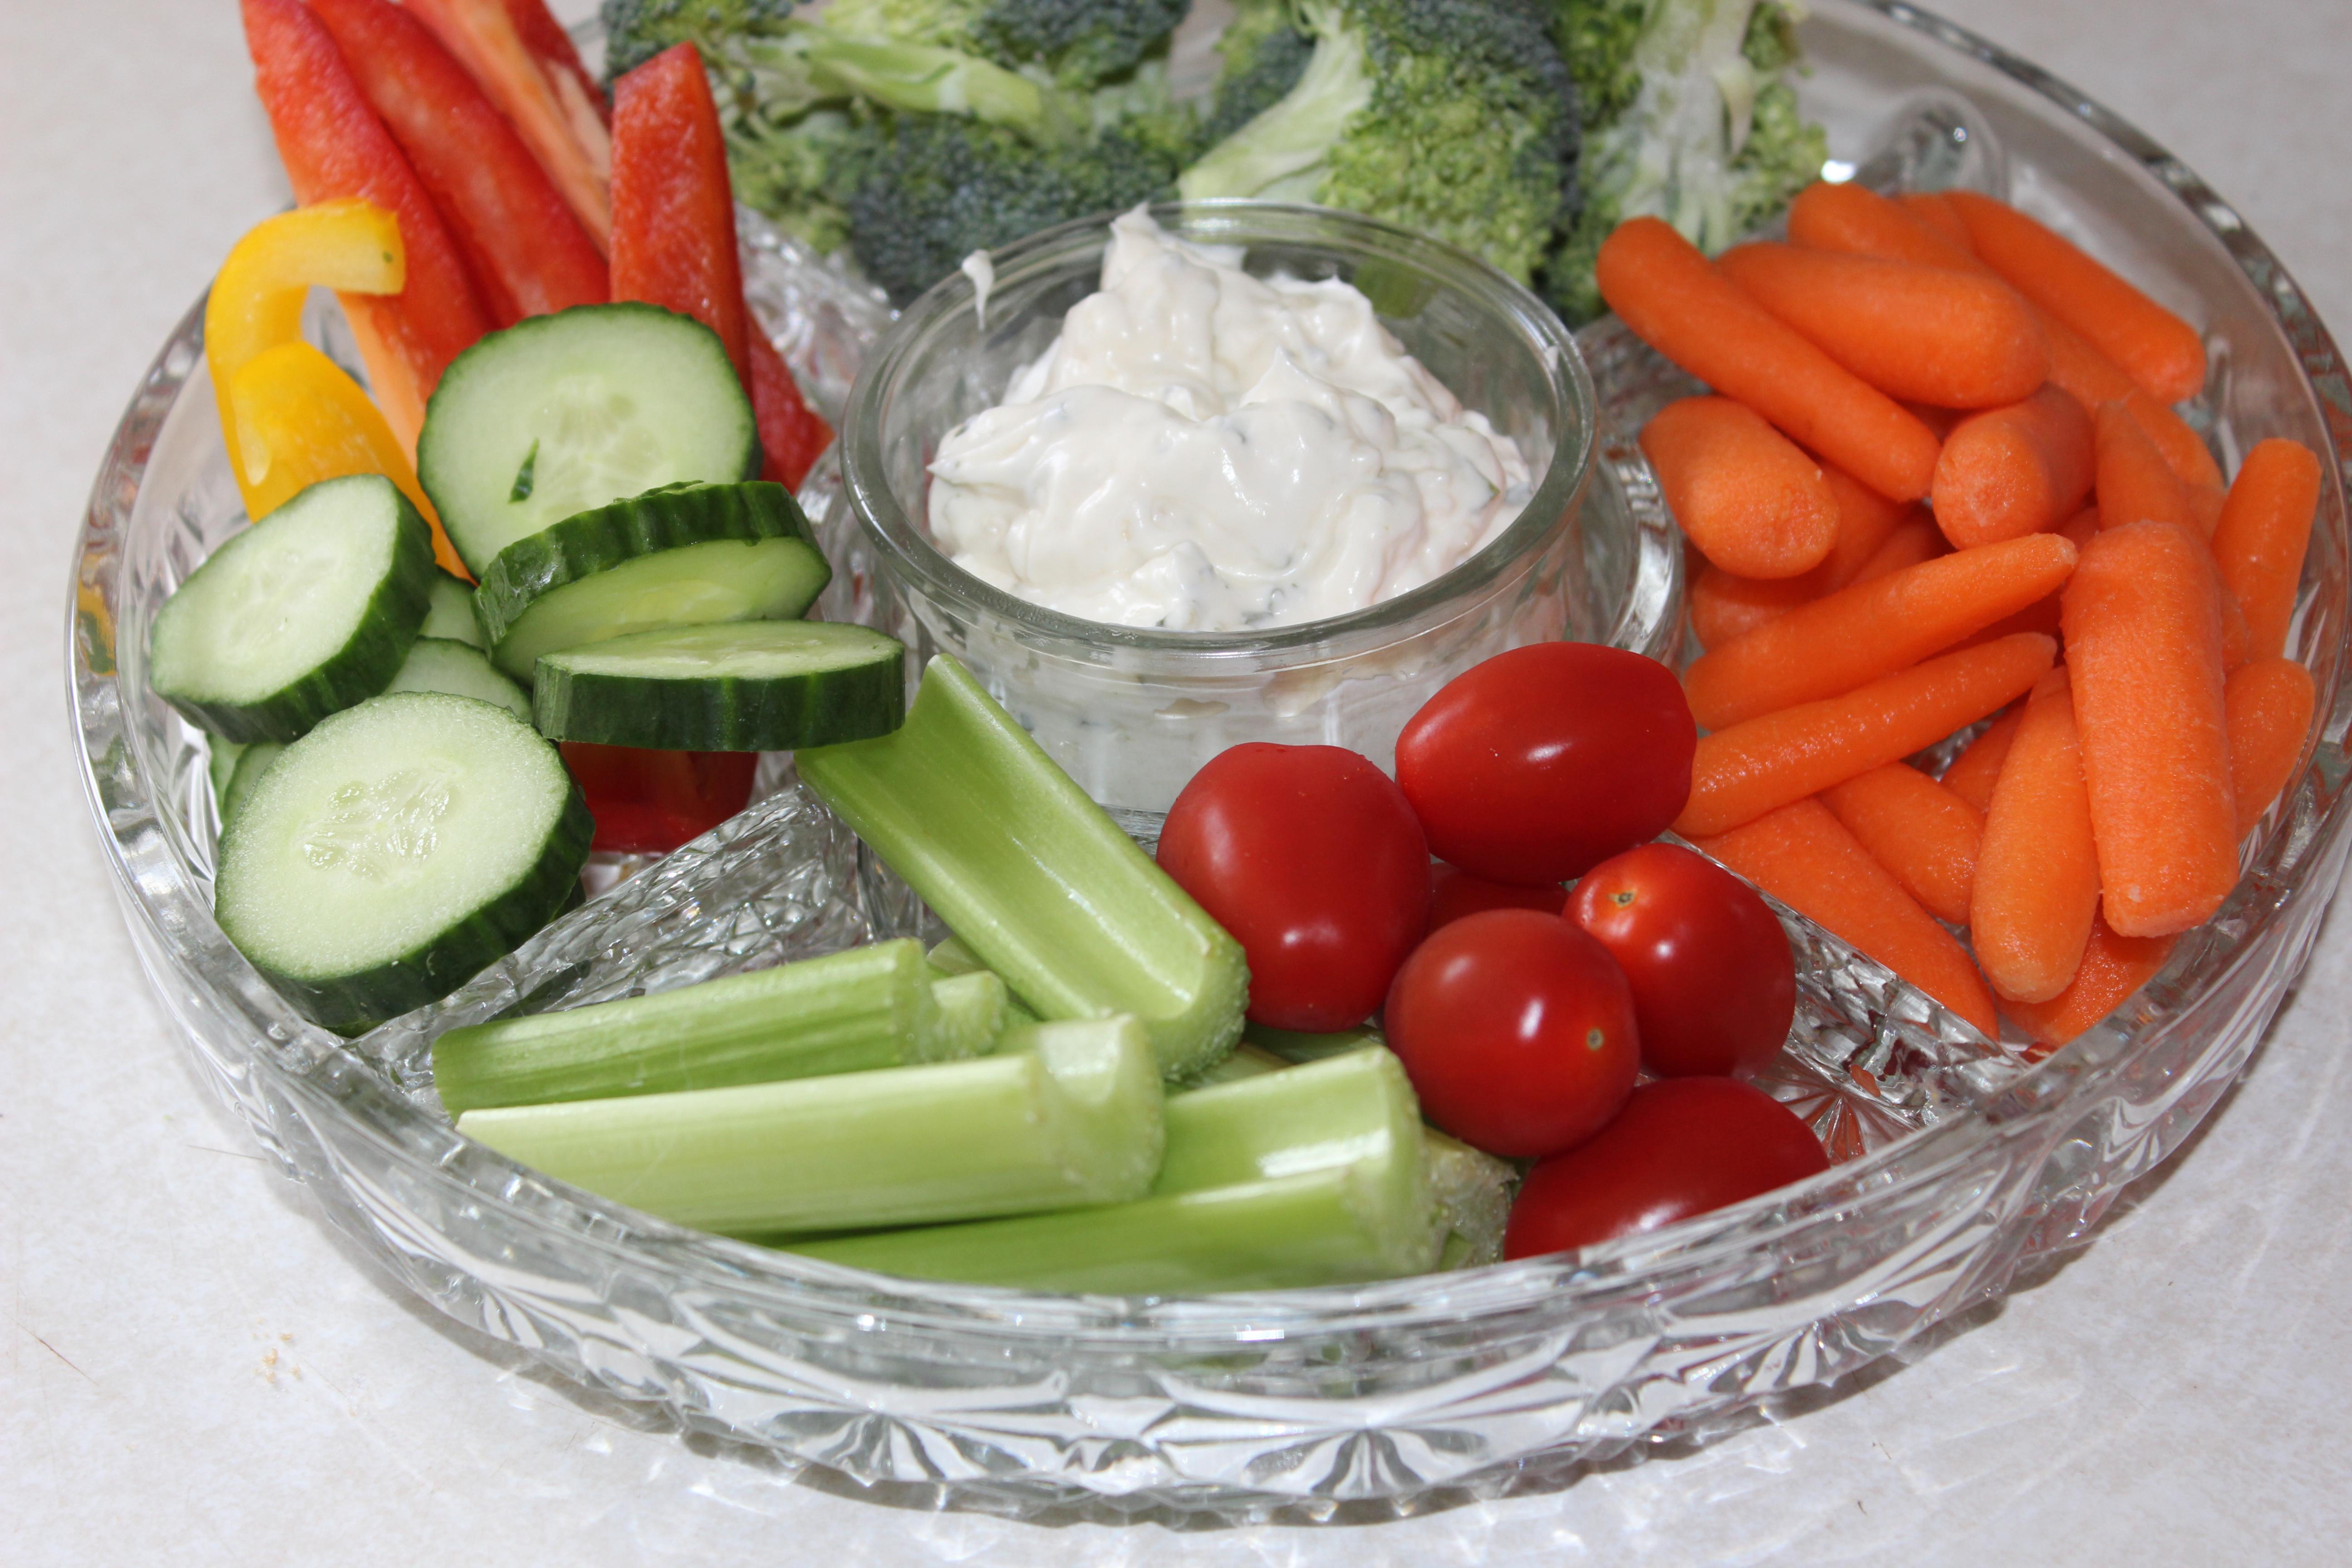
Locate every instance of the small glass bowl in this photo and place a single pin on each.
(1956, 1168)
(1133, 712)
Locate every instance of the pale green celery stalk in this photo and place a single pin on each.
(853, 1011)
(1247, 1061)
(970, 1013)
(1074, 1118)
(1302, 1176)
(1296, 1045)
(952, 957)
(1040, 883)
(1473, 1190)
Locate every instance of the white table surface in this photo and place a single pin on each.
(191, 1372)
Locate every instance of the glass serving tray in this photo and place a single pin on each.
(1958, 1161)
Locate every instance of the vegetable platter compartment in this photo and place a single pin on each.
(1959, 1167)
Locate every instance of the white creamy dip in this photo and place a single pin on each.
(1203, 450)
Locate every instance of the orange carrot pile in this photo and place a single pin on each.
(1740, 772)
(2259, 546)
(1873, 629)
(1745, 495)
(2079, 546)
(2143, 618)
(1804, 856)
(1917, 828)
(1679, 305)
(2266, 709)
(2135, 483)
(2037, 881)
(1925, 334)
(2014, 471)
(2159, 350)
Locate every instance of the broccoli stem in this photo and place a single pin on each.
(1280, 154)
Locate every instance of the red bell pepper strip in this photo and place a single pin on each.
(672, 208)
(649, 803)
(674, 240)
(333, 144)
(528, 254)
(792, 433)
(520, 56)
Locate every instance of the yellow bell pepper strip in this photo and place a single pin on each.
(290, 415)
(301, 418)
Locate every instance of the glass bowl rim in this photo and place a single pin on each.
(299, 1060)
(1223, 221)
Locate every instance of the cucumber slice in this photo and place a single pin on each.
(444, 663)
(308, 611)
(395, 850)
(450, 612)
(251, 763)
(753, 686)
(680, 556)
(558, 414)
(220, 766)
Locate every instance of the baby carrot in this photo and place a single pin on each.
(1973, 773)
(1680, 305)
(1925, 334)
(2206, 504)
(2143, 620)
(1931, 209)
(2159, 350)
(1723, 606)
(1872, 629)
(2112, 968)
(1915, 538)
(1802, 856)
(1743, 771)
(2259, 543)
(2135, 483)
(1744, 493)
(1918, 829)
(1863, 222)
(2266, 708)
(1860, 222)
(2037, 883)
(2014, 471)
(2043, 614)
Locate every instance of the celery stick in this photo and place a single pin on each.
(1043, 887)
(1473, 1190)
(1307, 1176)
(1297, 1045)
(1074, 1118)
(952, 958)
(1247, 1061)
(847, 1012)
(970, 1011)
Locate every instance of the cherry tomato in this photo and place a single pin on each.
(1312, 858)
(1453, 892)
(649, 803)
(1681, 1147)
(1714, 984)
(1543, 762)
(1517, 1029)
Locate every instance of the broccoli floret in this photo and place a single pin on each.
(934, 188)
(1596, 37)
(1077, 44)
(1453, 117)
(1711, 140)
(1261, 54)
(638, 30)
